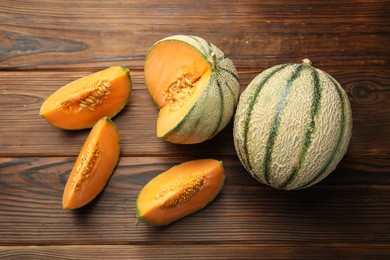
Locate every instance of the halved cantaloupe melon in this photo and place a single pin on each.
(195, 86)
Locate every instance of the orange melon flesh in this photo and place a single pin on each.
(80, 188)
(78, 119)
(166, 61)
(165, 189)
(168, 119)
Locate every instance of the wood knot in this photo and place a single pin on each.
(364, 92)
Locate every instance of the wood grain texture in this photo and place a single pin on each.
(202, 251)
(353, 204)
(68, 35)
(47, 44)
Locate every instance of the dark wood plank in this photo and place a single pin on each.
(60, 35)
(24, 133)
(350, 206)
(199, 252)
(46, 44)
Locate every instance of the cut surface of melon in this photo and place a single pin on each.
(167, 62)
(176, 75)
(180, 191)
(81, 103)
(94, 165)
(171, 115)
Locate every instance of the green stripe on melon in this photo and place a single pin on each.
(292, 126)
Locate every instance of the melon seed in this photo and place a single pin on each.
(179, 92)
(186, 192)
(88, 97)
(87, 166)
(99, 91)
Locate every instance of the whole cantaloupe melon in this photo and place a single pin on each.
(292, 126)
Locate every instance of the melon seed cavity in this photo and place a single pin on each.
(179, 92)
(181, 190)
(87, 166)
(88, 97)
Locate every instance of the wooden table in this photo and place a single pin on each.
(47, 44)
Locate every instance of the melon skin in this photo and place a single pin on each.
(210, 114)
(292, 126)
(215, 107)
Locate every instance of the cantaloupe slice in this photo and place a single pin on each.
(180, 191)
(94, 165)
(81, 103)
